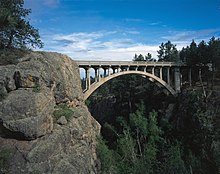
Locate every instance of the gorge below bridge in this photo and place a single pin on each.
(165, 74)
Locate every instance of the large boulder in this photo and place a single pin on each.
(27, 115)
(55, 71)
(35, 139)
(32, 88)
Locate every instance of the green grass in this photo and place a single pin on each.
(62, 110)
(36, 88)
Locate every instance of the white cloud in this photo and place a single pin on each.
(96, 46)
(184, 38)
(114, 45)
(181, 36)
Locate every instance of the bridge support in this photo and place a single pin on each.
(118, 69)
(161, 73)
(177, 79)
(88, 81)
(152, 70)
(96, 74)
(168, 75)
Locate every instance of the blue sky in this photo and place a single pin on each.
(117, 29)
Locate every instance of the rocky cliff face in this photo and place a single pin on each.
(36, 136)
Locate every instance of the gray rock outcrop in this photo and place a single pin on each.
(29, 94)
(62, 120)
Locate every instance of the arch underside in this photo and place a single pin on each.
(96, 85)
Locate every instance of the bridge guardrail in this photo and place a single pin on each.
(126, 63)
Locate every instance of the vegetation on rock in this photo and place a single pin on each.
(36, 88)
(62, 110)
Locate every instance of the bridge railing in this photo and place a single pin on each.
(126, 63)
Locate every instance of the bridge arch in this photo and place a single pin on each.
(96, 85)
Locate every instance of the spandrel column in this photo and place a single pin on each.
(96, 74)
(161, 73)
(168, 75)
(109, 73)
(177, 79)
(152, 70)
(99, 75)
(88, 80)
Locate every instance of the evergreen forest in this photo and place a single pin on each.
(145, 130)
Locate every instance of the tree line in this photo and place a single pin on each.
(195, 54)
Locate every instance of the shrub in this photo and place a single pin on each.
(62, 110)
(36, 88)
(106, 156)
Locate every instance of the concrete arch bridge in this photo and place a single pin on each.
(165, 73)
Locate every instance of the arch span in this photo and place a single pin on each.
(96, 85)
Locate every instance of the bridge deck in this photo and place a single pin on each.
(83, 63)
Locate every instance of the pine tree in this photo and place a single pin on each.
(168, 52)
(15, 29)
